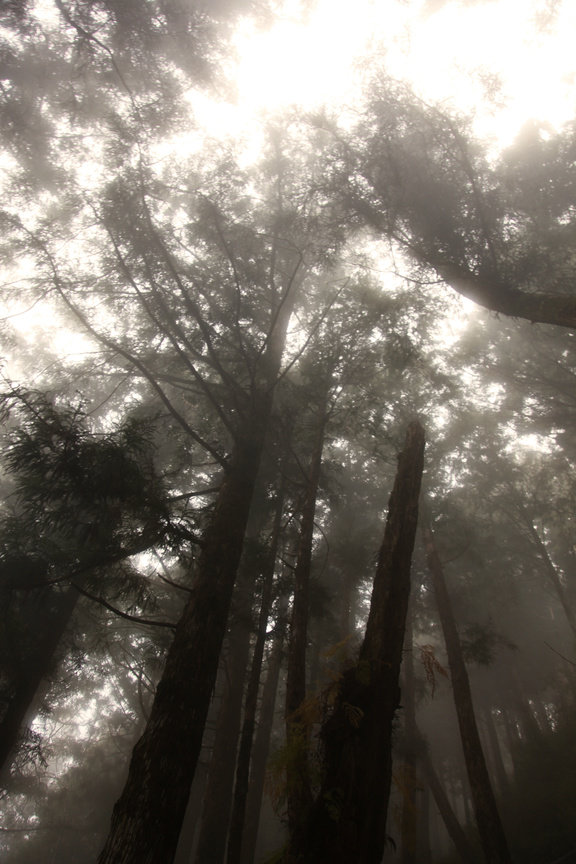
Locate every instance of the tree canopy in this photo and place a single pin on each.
(220, 357)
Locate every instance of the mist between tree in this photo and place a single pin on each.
(287, 544)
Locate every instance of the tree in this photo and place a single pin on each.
(349, 815)
(150, 831)
(240, 800)
(257, 566)
(299, 793)
(489, 824)
(414, 174)
(206, 282)
(223, 350)
(82, 506)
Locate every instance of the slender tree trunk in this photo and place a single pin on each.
(32, 671)
(528, 723)
(261, 749)
(424, 850)
(298, 789)
(552, 573)
(211, 847)
(218, 795)
(189, 832)
(348, 821)
(499, 769)
(512, 736)
(347, 593)
(455, 830)
(490, 827)
(409, 808)
(247, 734)
(469, 819)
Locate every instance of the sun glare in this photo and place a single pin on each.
(306, 64)
(449, 51)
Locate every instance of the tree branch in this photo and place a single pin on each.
(144, 621)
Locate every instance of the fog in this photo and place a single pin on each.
(287, 461)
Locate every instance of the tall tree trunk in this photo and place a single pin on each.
(348, 821)
(32, 670)
(147, 818)
(189, 832)
(409, 809)
(211, 846)
(512, 736)
(499, 768)
(489, 825)
(423, 849)
(527, 720)
(262, 748)
(455, 830)
(347, 594)
(247, 734)
(552, 572)
(298, 789)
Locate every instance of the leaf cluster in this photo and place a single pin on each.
(78, 499)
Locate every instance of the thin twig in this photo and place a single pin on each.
(559, 654)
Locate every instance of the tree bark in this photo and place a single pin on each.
(455, 830)
(423, 849)
(147, 818)
(211, 846)
(409, 809)
(32, 671)
(552, 573)
(505, 299)
(261, 749)
(490, 827)
(251, 705)
(348, 821)
(298, 789)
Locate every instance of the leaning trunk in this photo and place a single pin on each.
(348, 821)
(455, 830)
(33, 669)
(485, 809)
(553, 574)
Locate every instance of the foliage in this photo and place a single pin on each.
(432, 666)
(174, 255)
(80, 500)
(480, 644)
(541, 805)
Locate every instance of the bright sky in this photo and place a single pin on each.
(440, 46)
